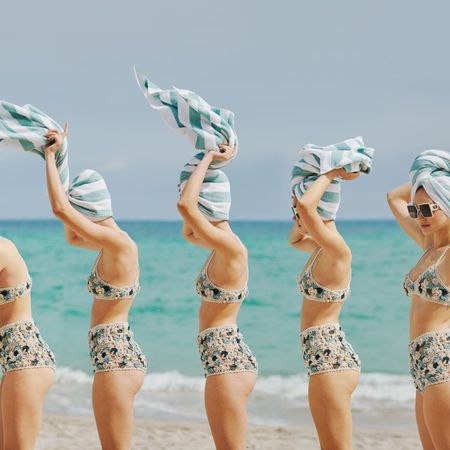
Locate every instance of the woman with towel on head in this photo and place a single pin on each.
(332, 364)
(422, 209)
(85, 209)
(204, 203)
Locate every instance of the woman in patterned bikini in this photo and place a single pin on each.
(22, 391)
(230, 368)
(118, 363)
(426, 220)
(333, 366)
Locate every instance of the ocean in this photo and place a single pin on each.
(164, 316)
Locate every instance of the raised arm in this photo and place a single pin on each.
(188, 235)
(297, 238)
(100, 237)
(398, 200)
(73, 239)
(187, 205)
(331, 241)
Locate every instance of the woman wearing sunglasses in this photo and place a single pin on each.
(422, 208)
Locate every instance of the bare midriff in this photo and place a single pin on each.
(425, 316)
(217, 314)
(19, 309)
(314, 313)
(110, 311)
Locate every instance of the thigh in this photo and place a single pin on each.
(436, 409)
(329, 396)
(230, 389)
(226, 398)
(22, 398)
(117, 386)
(113, 397)
(425, 437)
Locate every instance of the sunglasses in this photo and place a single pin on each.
(294, 211)
(426, 209)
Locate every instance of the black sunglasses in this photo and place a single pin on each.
(294, 211)
(426, 209)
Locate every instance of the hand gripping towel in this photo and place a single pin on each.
(313, 161)
(24, 128)
(206, 127)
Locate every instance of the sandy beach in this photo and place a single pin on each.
(75, 432)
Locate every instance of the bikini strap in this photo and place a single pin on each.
(94, 268)
(206, 263)
(442, 256)
(314, 258)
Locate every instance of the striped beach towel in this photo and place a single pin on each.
(431, 169)
(24, 128)
(206, 127)
(351, 155)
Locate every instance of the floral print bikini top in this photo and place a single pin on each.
(10, 294)
(106, 291)
(428, 284)
(309, 287)
(212, 293)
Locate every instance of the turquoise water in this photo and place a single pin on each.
(164, 316)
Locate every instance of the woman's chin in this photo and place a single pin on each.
(426, 229)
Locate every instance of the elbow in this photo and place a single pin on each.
(187, 235)
(292, 243)
(304, 206)
(59, 211)
(181, 206)
(390, 197)
(71, 240)
(184, 208)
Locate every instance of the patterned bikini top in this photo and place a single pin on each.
(428, 284)
(212, 293)
(10, 294)
(309, 287)
(107, 291)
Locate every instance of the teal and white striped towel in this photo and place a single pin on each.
(431, 169)
(206, 127)
(351, 155)
(24, 128)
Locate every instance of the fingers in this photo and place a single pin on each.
(227, 151)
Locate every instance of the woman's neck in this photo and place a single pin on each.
(442, 237)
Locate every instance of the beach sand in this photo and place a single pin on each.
(75, 432)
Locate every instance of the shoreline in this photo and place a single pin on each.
(73, 432)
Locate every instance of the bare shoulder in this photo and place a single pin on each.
(7, 247)
(8, 252)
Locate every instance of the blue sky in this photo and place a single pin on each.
(292, 71)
